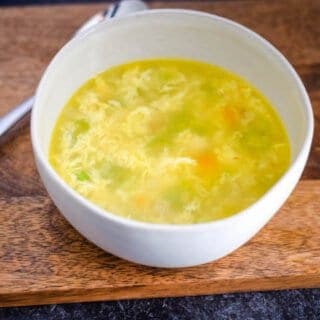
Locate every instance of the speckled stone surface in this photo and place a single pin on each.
(288, 305)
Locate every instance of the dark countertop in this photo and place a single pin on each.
(275, 305)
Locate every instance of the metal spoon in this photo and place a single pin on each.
(118, 9)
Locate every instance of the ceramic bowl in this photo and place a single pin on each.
(171, 33)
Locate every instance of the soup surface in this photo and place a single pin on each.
(169, 141)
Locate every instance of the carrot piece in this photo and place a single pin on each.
(140, 200)
(230, 115)
(207, 163)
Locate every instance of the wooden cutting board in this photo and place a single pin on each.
(44, 260)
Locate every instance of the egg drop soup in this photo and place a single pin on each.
(169, 141)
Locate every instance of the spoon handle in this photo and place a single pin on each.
(118, 9)
(15, 114)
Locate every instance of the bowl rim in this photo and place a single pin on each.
(93, 208)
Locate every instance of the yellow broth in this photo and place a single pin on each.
(169, 141)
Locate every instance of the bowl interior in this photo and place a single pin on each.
(172, 34)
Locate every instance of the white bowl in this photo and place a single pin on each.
(171, 33)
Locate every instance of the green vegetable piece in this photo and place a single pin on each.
(82, 176)
(80, 126)
(178, 195)
(117, 174)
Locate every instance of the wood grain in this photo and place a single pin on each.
(43, 260)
